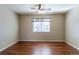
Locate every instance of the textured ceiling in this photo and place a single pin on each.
(55, 8)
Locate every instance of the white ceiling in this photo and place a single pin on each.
(55, 8)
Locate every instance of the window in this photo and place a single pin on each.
(41, 25)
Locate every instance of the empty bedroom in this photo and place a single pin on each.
(39, 29)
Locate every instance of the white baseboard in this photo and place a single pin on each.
(8, 46)
(44, 40)
(72, 45)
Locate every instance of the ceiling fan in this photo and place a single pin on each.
(40, 7)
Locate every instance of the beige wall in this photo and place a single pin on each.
(56, 33)
(8, 27)
(72, 27)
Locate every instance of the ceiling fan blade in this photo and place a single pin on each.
(45, 9)
(32, 8)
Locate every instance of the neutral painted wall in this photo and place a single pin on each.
(56, 28)
(72, 27)
(8, 27)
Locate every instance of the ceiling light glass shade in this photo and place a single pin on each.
(39, 11)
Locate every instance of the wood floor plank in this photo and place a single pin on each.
(40, 48)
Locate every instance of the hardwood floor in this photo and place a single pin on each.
(40, 48)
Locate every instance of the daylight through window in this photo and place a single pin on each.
(41, 25)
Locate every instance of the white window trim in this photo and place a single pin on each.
(41, 24)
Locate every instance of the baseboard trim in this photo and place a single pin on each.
(8, 46)
(72, 45)
(43, 40)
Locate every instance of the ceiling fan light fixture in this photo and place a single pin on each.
(41, 12)
(40, 7)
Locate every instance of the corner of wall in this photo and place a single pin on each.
(72, 45)
(8, 45)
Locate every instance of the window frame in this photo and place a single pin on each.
(41, 23)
